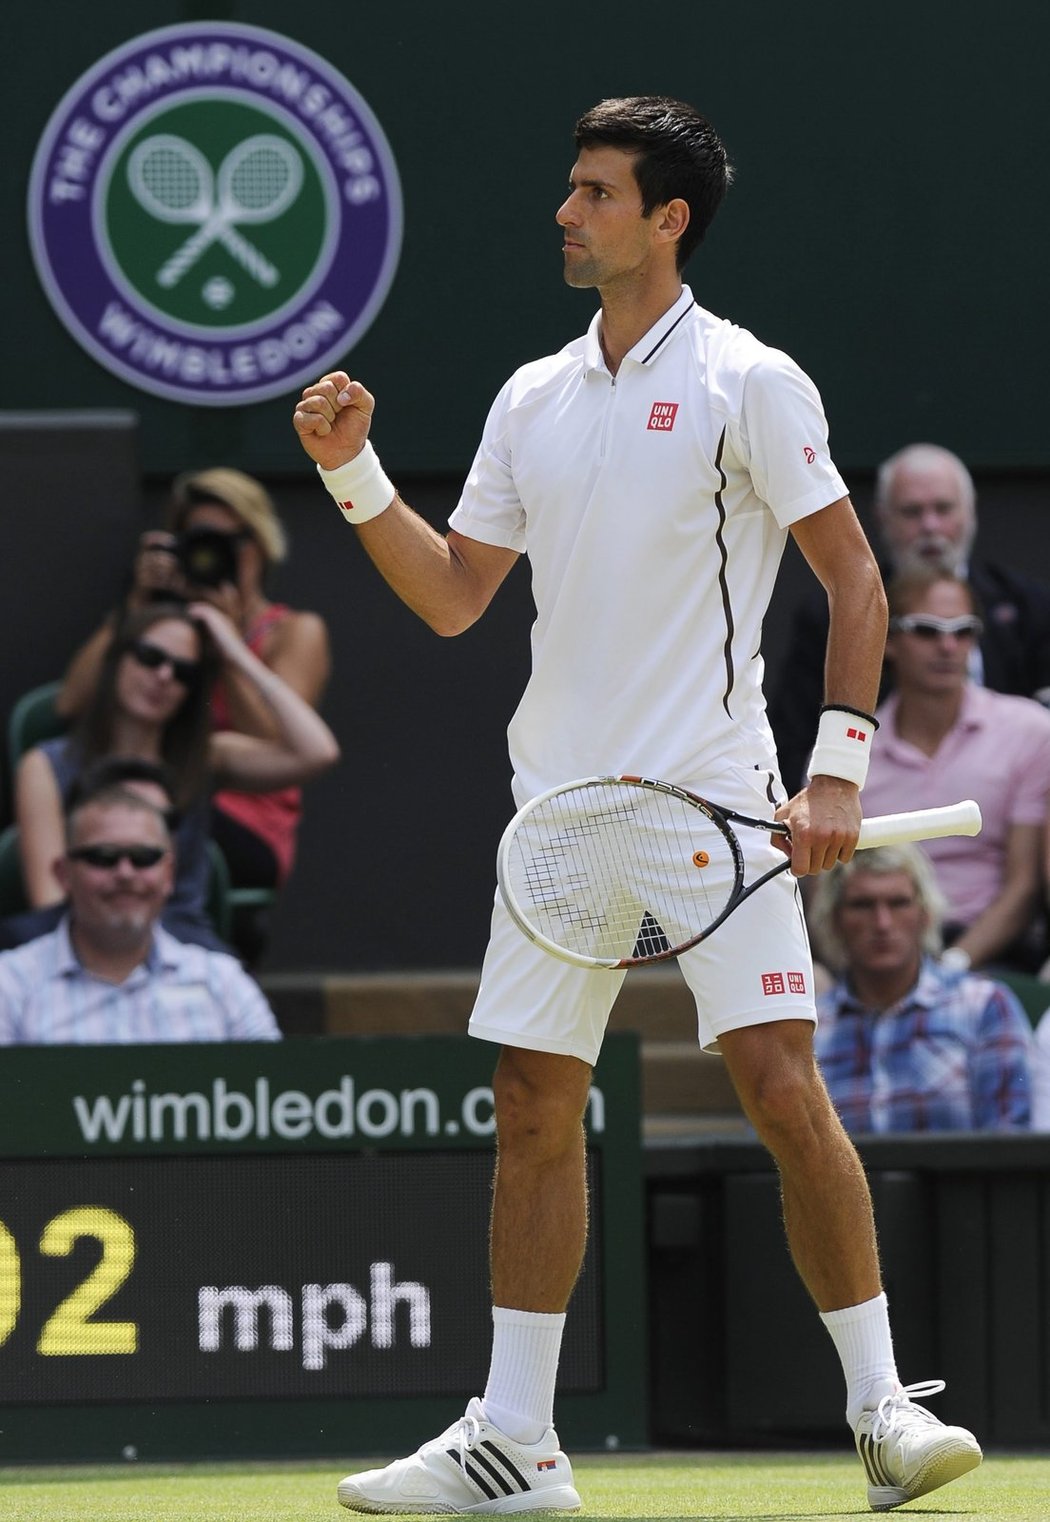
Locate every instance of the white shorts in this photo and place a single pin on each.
(755, 968)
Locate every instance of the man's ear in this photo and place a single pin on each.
(60, 867)
(673, 219)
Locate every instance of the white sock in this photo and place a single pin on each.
(861, 1334)
(519, 1396)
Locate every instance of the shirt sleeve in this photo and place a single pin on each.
(1002, 1065)
(783, 440)
(249, 1017)
(1031, 780)
(489, 509)
(10, 1003)
(1041, 1075)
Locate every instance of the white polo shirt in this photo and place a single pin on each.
(654, 508)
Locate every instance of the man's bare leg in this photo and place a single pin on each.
(538, 1235)
(906, 1451)
(539, 1205)
(827, 1203)
(504, 1447)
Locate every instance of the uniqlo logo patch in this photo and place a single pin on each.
(772, 983)
(661, 419)
(856, 734)
(796, 983)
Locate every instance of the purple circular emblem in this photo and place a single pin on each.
(215, 213)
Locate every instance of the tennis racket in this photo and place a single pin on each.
(623, 871)
(257, 181)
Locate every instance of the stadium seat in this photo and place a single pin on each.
(32, 719)
(218, 901)
(226, 902)
(12, 889)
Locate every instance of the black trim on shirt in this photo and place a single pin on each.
(661, 341)
(727, 606)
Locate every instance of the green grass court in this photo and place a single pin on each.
(700, 1487)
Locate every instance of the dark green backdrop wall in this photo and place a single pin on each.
(888, 228)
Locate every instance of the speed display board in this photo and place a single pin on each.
(299, 1227)
(256, 1277)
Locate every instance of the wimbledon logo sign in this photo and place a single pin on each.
(215, 213)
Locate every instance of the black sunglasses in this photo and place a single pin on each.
(929, 626)
(153, 658)
(107, 857)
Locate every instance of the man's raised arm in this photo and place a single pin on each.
(448, 580)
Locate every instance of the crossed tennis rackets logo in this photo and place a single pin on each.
(258, 180)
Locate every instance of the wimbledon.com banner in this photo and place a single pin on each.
(315, 1093)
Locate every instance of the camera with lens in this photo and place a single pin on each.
(207, 557)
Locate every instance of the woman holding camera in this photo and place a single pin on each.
(224, 536)
(151, 701)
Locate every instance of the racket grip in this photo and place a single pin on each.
(921, 824)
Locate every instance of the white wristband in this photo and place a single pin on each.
(956, 958)
(843, 747)
(361, 487)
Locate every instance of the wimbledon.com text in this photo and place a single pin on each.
(224, 1114)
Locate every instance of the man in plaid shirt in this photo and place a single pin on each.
(907, 1042)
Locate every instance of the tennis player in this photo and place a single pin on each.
(652, 471)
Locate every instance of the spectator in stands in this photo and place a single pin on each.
(943, 738)
(905, 1042)
(151, 702)
(926, 513)
(152, 781)
(225, 537)
(109, 973)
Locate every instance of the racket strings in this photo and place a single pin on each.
(611, 870)
(171, 178)
(260, 180)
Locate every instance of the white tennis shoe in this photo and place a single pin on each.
(471, 1467)
(906, 1451)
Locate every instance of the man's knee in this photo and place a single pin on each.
(540, 1098)
(776, 1077)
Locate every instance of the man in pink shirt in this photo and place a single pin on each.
(942, 739)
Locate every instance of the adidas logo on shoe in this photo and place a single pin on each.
(907, 1451)
(471, 1468)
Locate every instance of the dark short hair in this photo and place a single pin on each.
(680, 155)
(101, 777)
(114, 771)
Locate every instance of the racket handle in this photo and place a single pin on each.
(921, 824)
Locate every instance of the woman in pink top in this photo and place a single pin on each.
(943, 737)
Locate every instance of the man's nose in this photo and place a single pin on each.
(567, 212)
